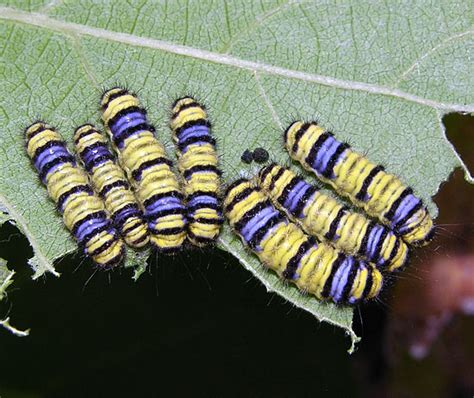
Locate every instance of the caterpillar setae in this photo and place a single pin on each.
(83, 212)
(197, 162)
(147, 167)
(110, 183)
(367, 185)
(282, 246)
(324, 217)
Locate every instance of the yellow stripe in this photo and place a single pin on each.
(270, 245)
(139, 149)
(185, 115)
(293, 238)
(188, 115)
(63, 179)
(242, 207)
(119, 104)
(359, 283)
(204, 155)
(79, 206)
(322, 263)
(307, 141)
(41, 139)
(174, 241)
(377, 282)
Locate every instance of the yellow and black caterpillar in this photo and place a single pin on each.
(324, 217)
(197, 162)
(83, 213)
(147, 167)
(110, 183)
(367, 185)
(282, 246)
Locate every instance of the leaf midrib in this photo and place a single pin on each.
(44, 21)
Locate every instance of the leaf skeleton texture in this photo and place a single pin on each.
(351, 66)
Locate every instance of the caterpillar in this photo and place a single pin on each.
(147, 167)
(282, 246)
(324, 217)
(110, 183)
(83, 212)
(367, 185)
(197, 162)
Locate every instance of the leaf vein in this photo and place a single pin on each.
(44, 21)
(428, 53)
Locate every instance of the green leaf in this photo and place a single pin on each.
(380, 75)
(6, 279)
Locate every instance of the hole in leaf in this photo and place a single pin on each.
(460, 132)
(16, 250)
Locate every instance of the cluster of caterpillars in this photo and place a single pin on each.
(132, 195)
(310, 238)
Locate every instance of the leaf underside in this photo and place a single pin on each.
(380, 76)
